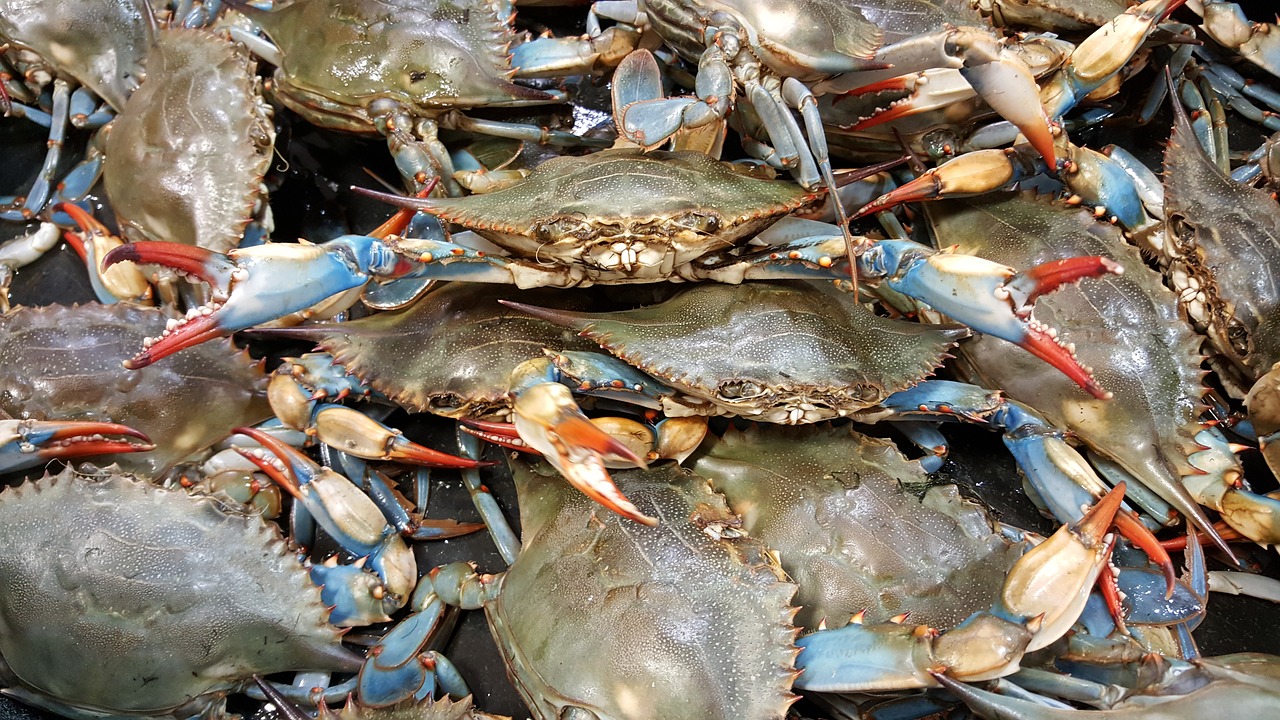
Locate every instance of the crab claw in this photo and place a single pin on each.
(28, 443)
(1101, 55)
(350, 517)
(1054, 579)
(974, 173)
(94, 240)
(988, 297)
(354, 432)
(253, 285)
(550, 422)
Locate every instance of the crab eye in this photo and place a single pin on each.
(739, 390)
(705, 224)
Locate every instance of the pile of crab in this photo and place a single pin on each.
(694, 284)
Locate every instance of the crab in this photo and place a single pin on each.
(186, 156)
(613, 246)
(654, 613)
(1223, 242)
(63, 363)
(188, 596)
(99, 45)
(823, 356)
(398, 69)
(1153, 430)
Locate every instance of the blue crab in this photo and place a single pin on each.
(62, 363)
(99, 45)
(663, 613)
(639, 240)
(398, 69)
(186, 595)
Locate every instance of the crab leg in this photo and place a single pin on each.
(1094, 179)
(399, 667)
(1102, 54)
(30, 443)
(499, 529)
(1244, 699)
(347, 514)
(1044, 593)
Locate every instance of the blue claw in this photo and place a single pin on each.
(30, 443)
(247, 283)
(348, 515)
(988, 297)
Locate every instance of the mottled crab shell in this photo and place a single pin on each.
(121, 597)
(100, 43)
(687, 620)
(804, 39)
(687, 200)
(63, 363)
(185, 159)
(1055, 15)
(1223, 255)
(341, 56)
(1127, 328)
(768, 350)
(452, 352)
(831, 503)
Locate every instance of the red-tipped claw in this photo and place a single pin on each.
(25, 443)
(497, 433)
(549, 420)
(1138, 534)
(354, 432)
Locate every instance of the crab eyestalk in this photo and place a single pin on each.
(29, 443)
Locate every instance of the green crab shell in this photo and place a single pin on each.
(101, 43)
(791, 37)
(185, 159)
(452, 352)
(687, 201)
(831, 503)
(184, 597)
(776, 352)
(340, 57)
(63, 363)
(1225, 243)
(688, 620)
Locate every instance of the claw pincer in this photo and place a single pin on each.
(349, 516)
(1042, 596)
(29, 443)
